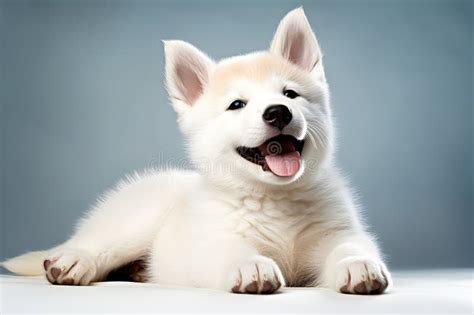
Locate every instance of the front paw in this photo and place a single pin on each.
(361, 275)
(257, 275)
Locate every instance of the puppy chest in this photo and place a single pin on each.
(274, 227)
(279, 216)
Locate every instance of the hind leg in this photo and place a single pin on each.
(118, 231)
(70, 267)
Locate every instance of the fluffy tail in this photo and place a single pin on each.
(29, 264)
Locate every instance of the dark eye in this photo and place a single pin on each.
(290, 94)
(237, 104)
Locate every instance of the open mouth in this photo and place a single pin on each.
(280, 155)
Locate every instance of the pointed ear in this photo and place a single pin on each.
(187, 73)
(295, 41)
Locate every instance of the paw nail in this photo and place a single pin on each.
(376, 285)
(68, 281)
(46, 264)
(278, 285)
(51, 280)
(252, 287)
(345, 289)
(55, 272)
(267, 287)
(360, 288)
(236, 289)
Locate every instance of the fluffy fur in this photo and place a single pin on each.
(230, 224)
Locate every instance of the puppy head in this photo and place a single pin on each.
(262, 117)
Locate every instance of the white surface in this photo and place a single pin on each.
(437, 291)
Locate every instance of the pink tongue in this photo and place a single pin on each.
(286, 164)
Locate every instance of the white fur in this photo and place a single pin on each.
(230, 224)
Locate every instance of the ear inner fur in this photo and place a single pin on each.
(295, 41)
(187, 72)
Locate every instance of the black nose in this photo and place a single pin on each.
(277, 116)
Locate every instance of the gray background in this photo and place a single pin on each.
(83, 103)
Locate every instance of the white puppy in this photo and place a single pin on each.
(266, 206)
